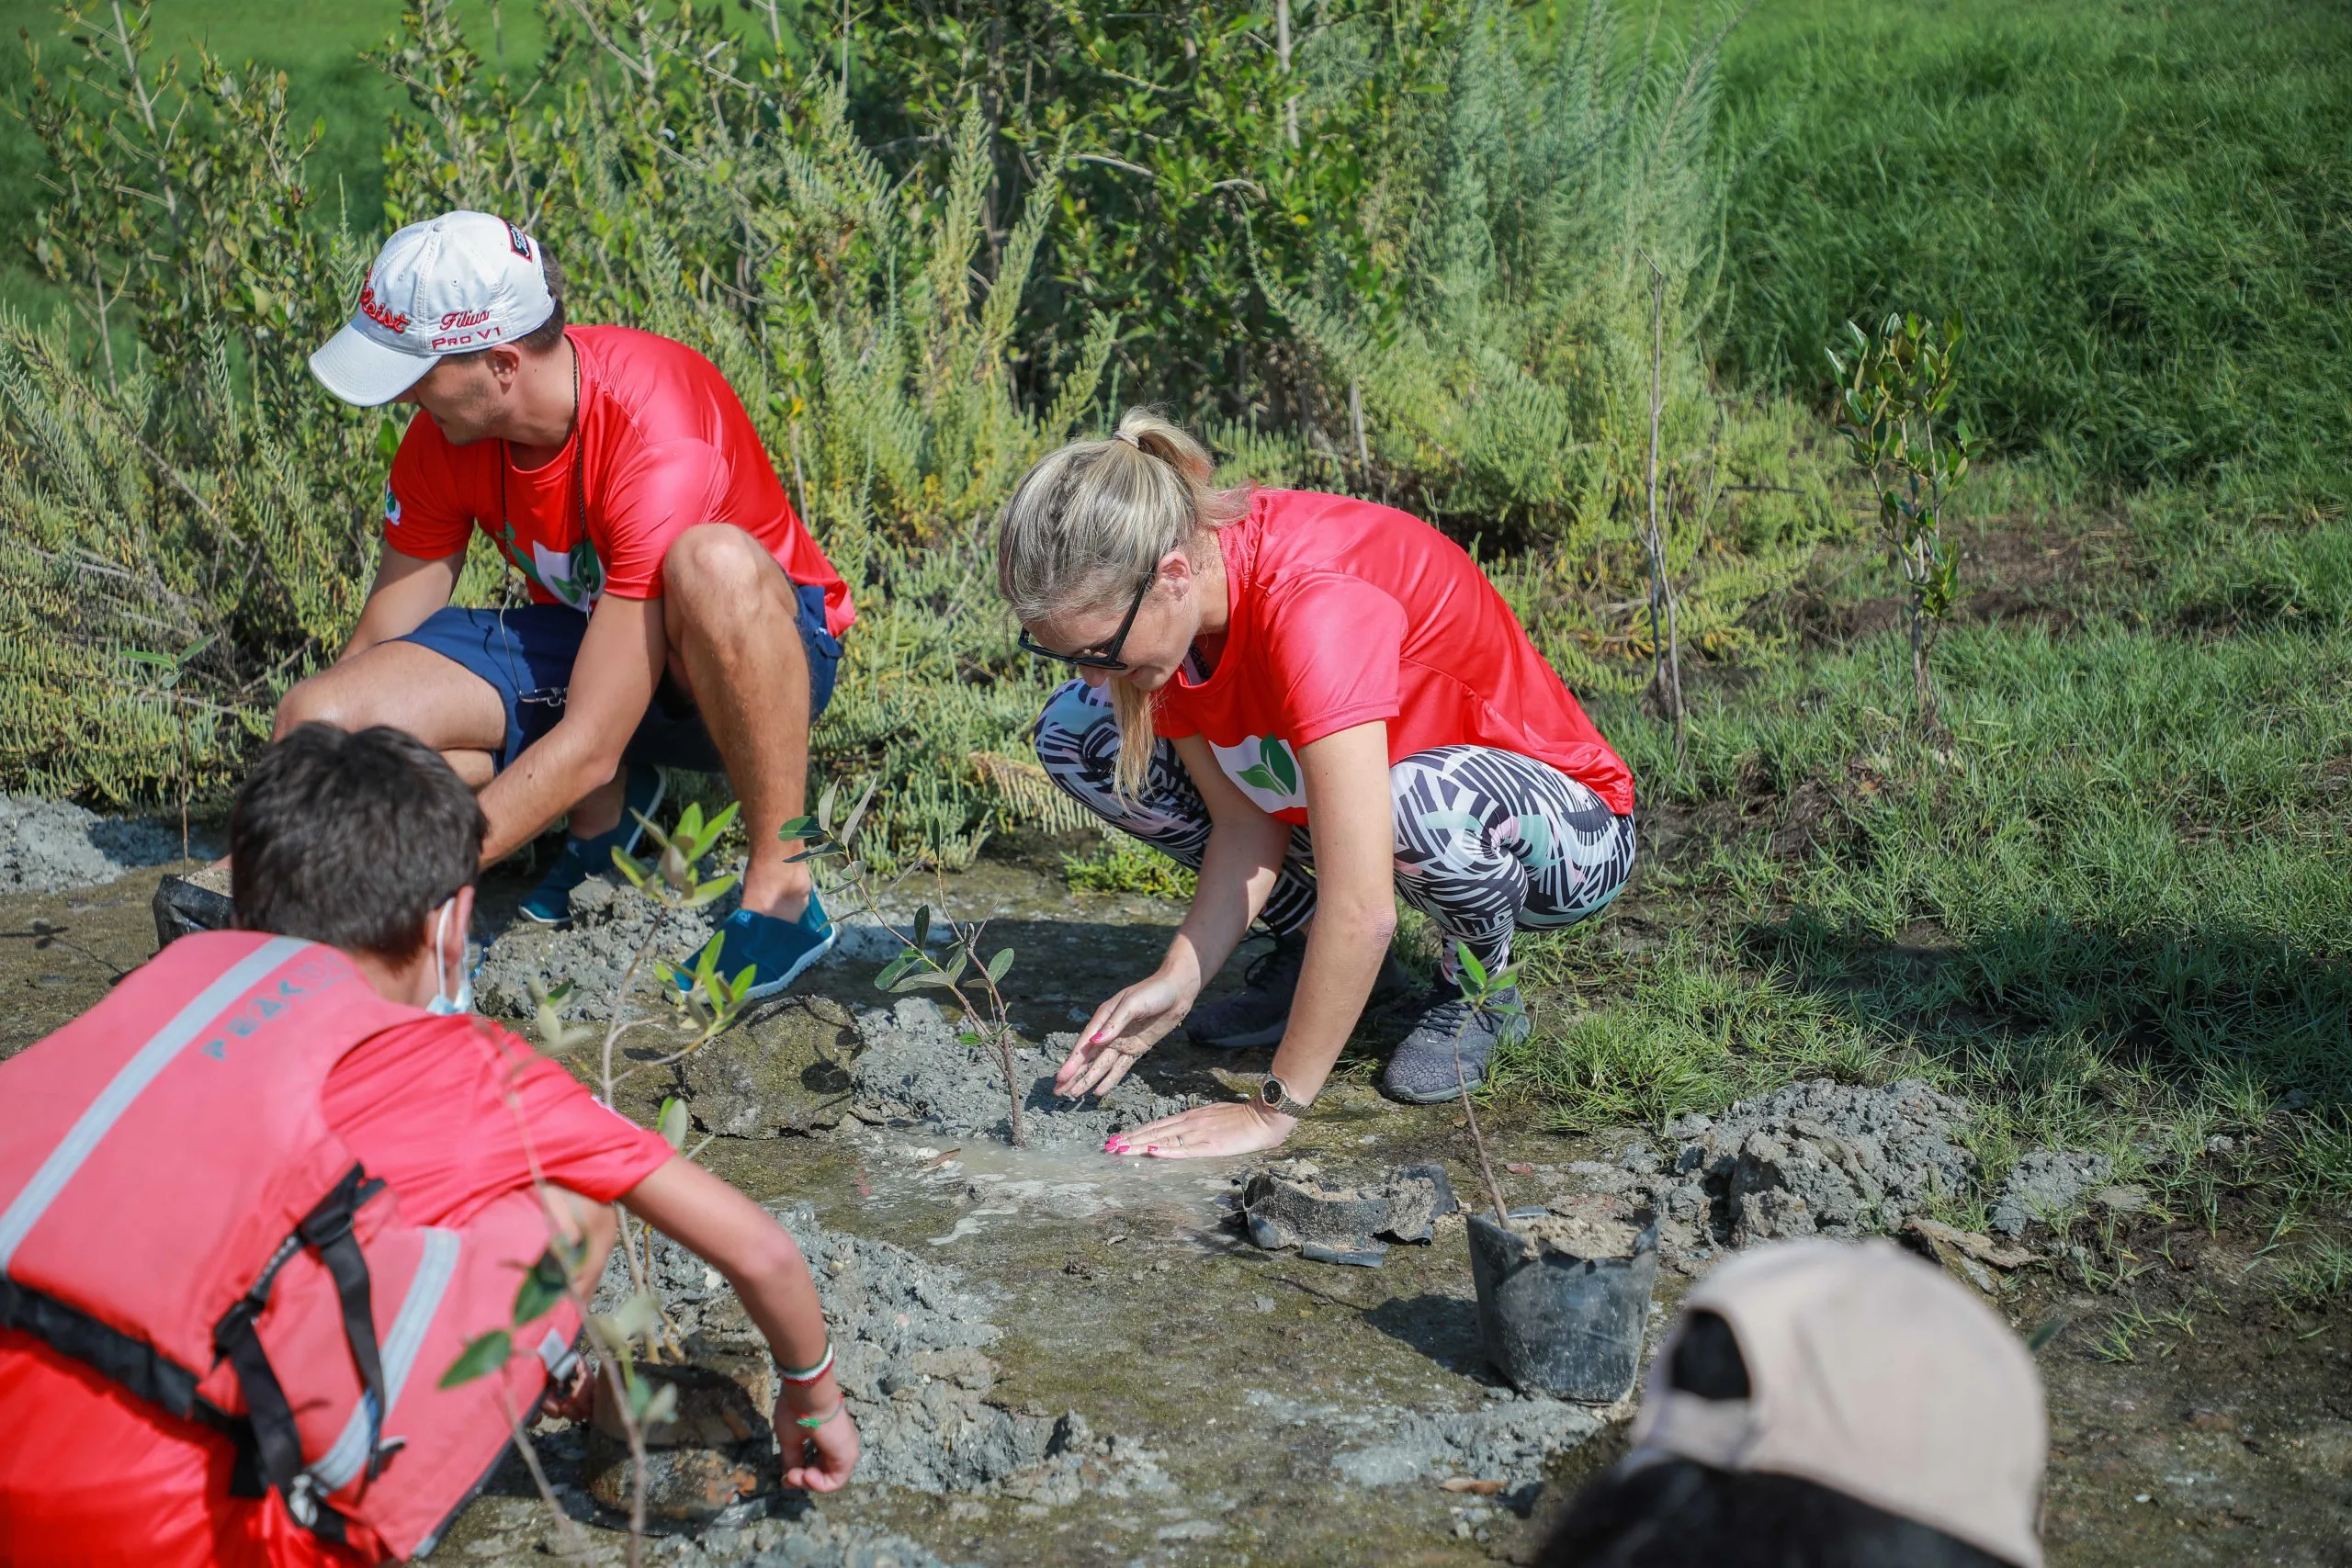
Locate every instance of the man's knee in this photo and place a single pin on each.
(321, 700)
(716, 569)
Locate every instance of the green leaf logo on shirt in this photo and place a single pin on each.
(1273, 771)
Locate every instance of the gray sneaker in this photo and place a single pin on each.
(1423, 1071)
(1257, 1014)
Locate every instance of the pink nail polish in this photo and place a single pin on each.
(1152, 1149)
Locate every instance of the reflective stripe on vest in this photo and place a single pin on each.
(94, 1123)
(342, 1463)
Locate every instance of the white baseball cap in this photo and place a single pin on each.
(1873, 1374)
(450, 285)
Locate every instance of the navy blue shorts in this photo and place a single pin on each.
(526, 653)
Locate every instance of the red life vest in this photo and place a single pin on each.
(176, 1212)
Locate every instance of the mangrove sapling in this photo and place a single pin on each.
(1479, 992)
(975, 983)
(640, 1327)
(1902, 379)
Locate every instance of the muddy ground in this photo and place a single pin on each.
(1256, 1395)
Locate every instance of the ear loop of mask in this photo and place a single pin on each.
(441, 1003)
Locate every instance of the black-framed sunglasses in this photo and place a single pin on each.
(1109, 657)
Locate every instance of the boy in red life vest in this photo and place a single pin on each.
(679, 614)
(367, 843)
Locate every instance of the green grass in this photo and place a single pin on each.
(2115, 914)
(2139, 207)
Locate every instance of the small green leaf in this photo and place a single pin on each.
(825, 807)
(634, 1319)
(629, 867)
(672, 1121)
(922, 924)
(798, 828)
(999, 964)
(716, 828)
(541, 1289)
(480, 1358)
(1470, 964)
(689, 824)
(662, 1408)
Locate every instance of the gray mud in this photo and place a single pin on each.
(1811, 1158)
(609, 922)
(910, 1347)
(2046, 1184)
(914, 1072)
(50, 846)
(1512, 1441)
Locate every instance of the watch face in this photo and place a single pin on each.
(1272, 1093)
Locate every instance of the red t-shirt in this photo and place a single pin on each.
(1343, 612)
(662, 444)
(426, 1106)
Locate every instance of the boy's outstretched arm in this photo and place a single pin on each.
(743, 1242)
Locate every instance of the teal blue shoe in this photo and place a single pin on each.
(777, 951)
(550, 902)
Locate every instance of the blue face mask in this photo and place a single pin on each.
(443, 1002)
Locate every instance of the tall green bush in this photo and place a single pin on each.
(1501, 384)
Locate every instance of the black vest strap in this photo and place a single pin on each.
(276, 1441)
(327, 1231)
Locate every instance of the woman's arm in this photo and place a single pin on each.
(743, 1242)
(1355, 901)
(1237, 869)
(1355, 914)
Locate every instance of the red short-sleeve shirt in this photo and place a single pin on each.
(1344, 613)
(662, 444)
(432, 1107)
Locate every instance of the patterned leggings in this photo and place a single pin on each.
(1488, 841)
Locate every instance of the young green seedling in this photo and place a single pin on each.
(1480, 991)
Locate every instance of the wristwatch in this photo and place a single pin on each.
(1275, 1095)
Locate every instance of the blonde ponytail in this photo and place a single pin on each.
(1089, 521)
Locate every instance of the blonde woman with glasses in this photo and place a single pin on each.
(1319, 704)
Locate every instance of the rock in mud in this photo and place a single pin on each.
(1510, 1440)
(2043, 1186)
(755, 1082)
(49, 846)
(1811, 1158)
(909, 1349)
(914, 1071)
(1292, 1203)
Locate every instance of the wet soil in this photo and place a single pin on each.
(1260, 1383)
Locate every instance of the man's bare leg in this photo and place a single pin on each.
(732, 620)
(436, 699)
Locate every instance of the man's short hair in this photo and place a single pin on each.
(352, 840)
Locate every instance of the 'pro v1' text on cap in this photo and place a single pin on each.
(450, 285)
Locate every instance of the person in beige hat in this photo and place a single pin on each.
(1824, 1404)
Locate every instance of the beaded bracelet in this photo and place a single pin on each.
(811, 1374)
(810, 1422)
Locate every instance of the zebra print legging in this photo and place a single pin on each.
(1488, 841)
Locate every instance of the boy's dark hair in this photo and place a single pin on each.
(351, 840)
(1677, 1512)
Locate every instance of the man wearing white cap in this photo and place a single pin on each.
(1824, 1404)
(680, 615)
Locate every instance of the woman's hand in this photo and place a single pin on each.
(829, 1451)
(1122, 1029)
(1233, 1128)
